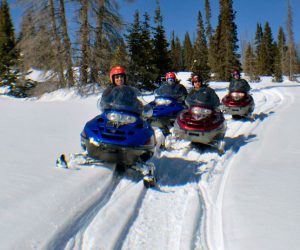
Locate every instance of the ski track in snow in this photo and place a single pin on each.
(240, 132)
(82, 219)
(125, 214)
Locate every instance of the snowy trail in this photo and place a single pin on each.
(109, 223)
(184, 211)
(238, 134)
(91, 208)
(82, 217)
(262, 211)
(181, 210)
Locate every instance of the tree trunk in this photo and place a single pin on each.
(57, 46)
(67, 45)
(84, 42)
(98, 42)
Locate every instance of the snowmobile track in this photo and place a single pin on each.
(184, 208)
(79, 221)
(242, 132)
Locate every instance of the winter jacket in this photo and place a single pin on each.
(121, 98)
(239, 85)
(175, 90)
(205, 95)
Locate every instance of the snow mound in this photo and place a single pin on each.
(39, 75)
(60, 95)
(184, 79)
(4, 90)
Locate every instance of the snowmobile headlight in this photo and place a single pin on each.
(200, 111)
(114, 117)
(162, 101)
(120, 118)
(128, 119)
(237, 95)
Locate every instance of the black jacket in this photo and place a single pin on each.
(175, 90)
(239, 85)
(121, 98)
(205, 95)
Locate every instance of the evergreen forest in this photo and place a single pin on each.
(82, 51)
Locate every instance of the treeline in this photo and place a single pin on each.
(81, 49)
(272, 58)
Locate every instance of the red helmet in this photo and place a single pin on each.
(236, 73)
(116, 71)
(196, 78)
(170, 75)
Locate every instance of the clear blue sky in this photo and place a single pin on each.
(181, 15)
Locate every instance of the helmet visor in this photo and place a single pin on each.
(170, 80)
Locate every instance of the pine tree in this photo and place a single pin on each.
(282, 49)
(8, 51)
(105, 39)
(32, 39)
(223, 53)
(44, 58)
(291, 53)
(120, 56)
(200, 55)
(84, 38)
(187, 52)
(212, 43)
(277, 64)
(250, 64)
(45, 21)
(147, 68)
(207, 20)
(133, 44)
(27, 27)
(161, 54)
(66, 45)
(142, 65)
(59, 67)
(267, 51)
(258, 48)
(214, 57)
(176, 54)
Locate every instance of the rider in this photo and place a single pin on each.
(238, 84)
(173, 87)
(202, 93)
(119, 92)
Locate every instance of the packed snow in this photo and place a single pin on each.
(248, 198)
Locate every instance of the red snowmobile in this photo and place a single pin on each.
(238, 104)
(201, 124)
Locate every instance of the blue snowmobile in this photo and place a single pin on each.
(121, 134)
(167, 104)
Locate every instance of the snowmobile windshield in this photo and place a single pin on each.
(201, 98)
(170, 91)
(123, 98)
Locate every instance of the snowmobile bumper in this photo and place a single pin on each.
(117, 154)
(241, 111)
(211, 137)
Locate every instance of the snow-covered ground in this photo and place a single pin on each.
(246, 199)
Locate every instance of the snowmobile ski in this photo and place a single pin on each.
(61, 162)
(82, 159)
